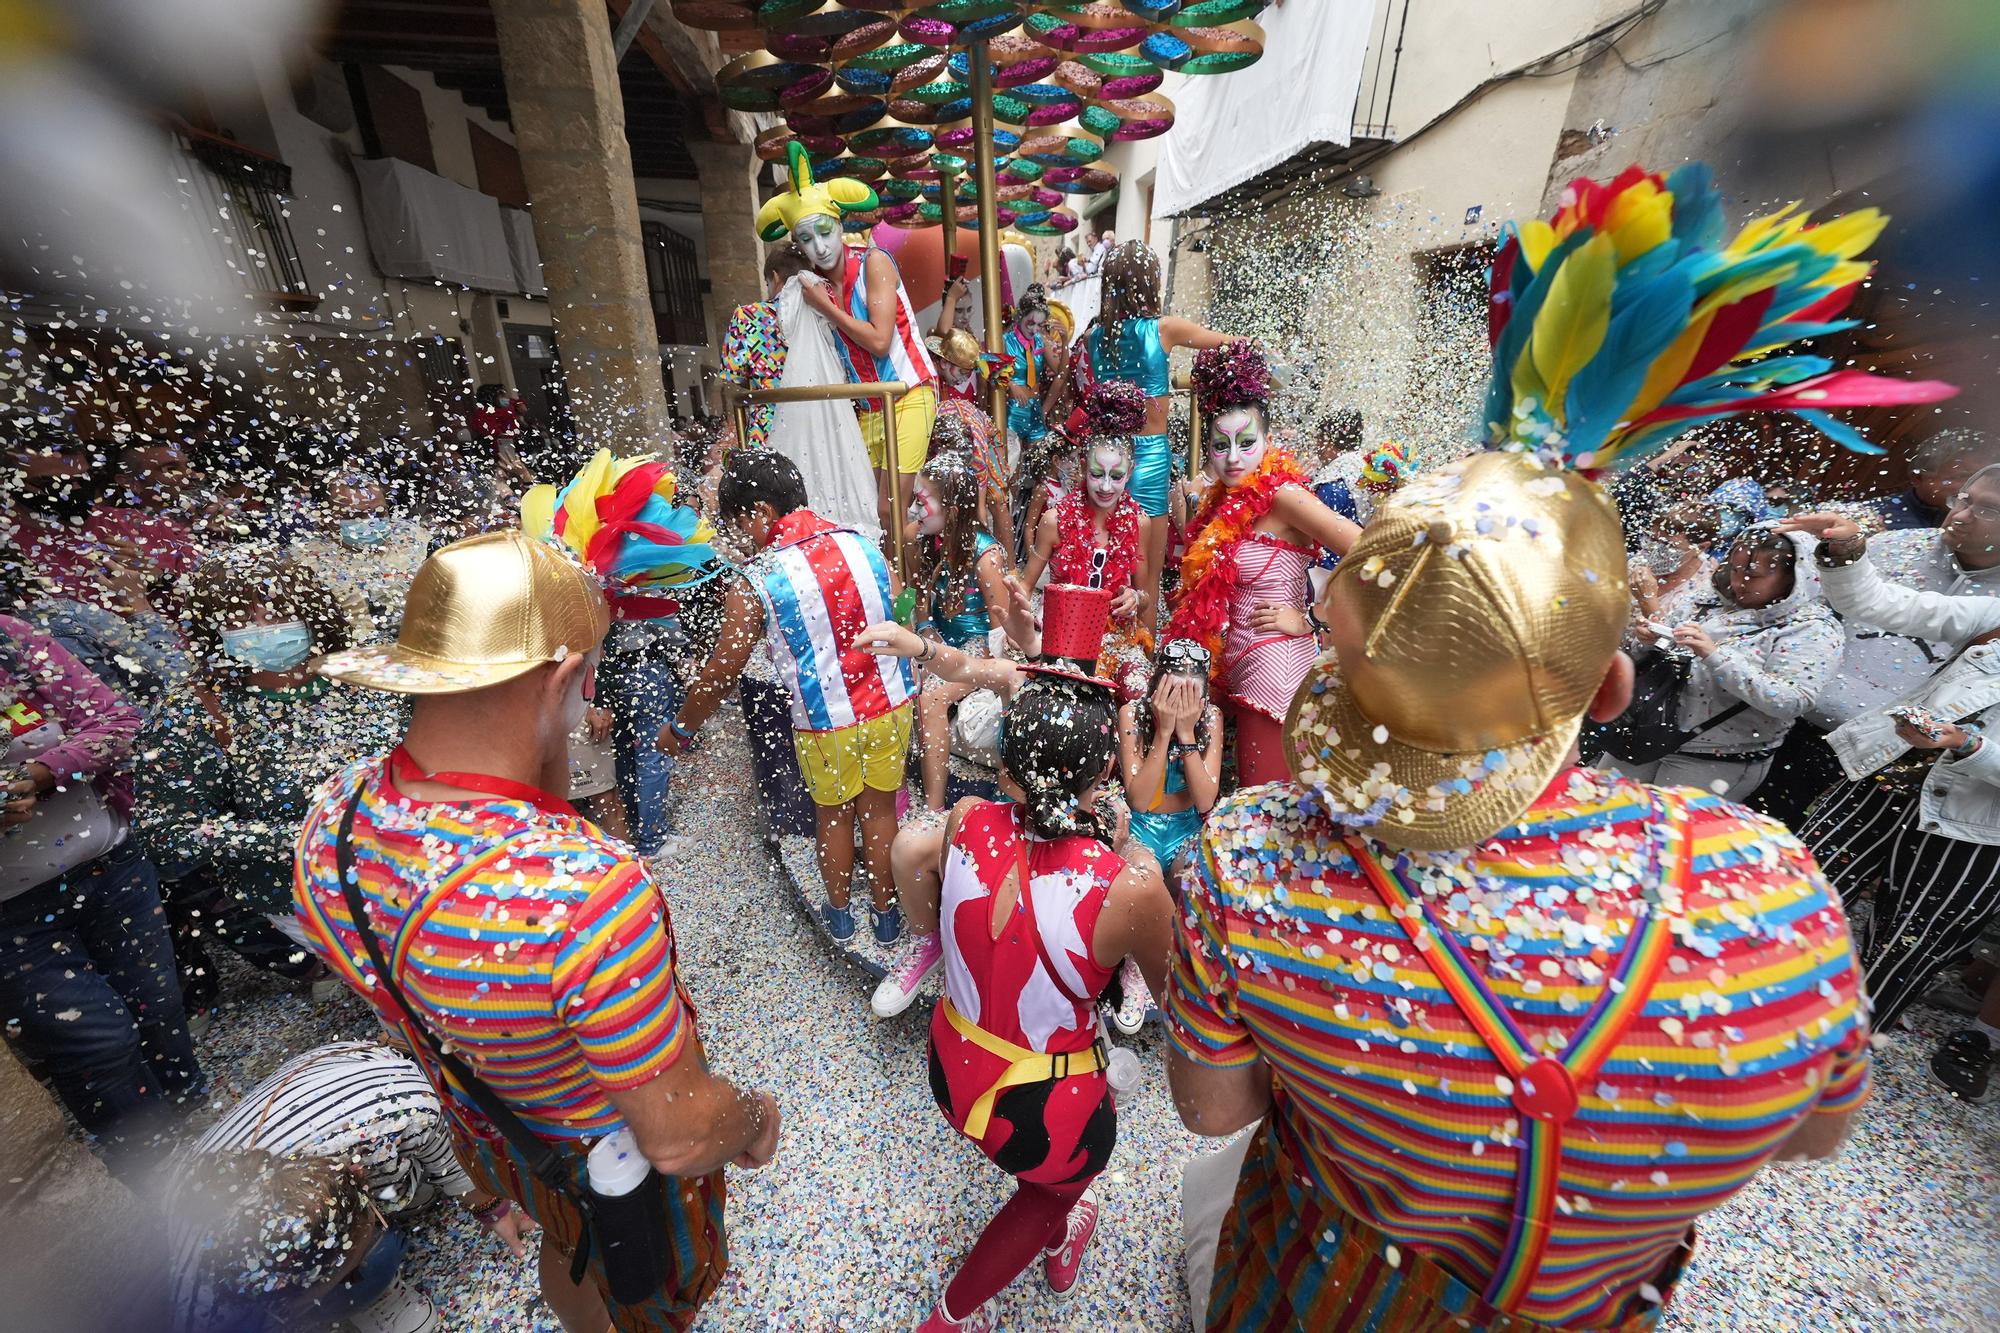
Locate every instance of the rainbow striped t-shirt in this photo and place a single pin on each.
(1394, 1106)
(551, 972)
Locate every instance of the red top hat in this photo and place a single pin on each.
(1073, 621)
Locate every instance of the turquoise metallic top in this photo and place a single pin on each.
(1139, 356)
(972, 621)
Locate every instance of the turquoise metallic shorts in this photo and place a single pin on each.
(1165, 834)
(1152, 472)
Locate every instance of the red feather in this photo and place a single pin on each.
(1826, 307)
(629, 495)
(1729, 333)
(1500, 291)
(1838, 389)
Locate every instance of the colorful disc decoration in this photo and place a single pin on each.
(880, 91)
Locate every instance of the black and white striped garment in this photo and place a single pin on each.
(355, 1100)
(1937, 894)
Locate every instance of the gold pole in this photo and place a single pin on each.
(989, 218)
(890, 392)
(948, 197)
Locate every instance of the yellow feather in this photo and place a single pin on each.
(1639, 219)
(1569, 328)
(538, 511)
(591, 482)
(1758, 230)
(1537, 239)
(1849, 234)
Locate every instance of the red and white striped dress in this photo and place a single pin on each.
(1264, 670)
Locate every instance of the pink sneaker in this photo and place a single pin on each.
(900, 987)
(979, 1321)
(1064, 1264)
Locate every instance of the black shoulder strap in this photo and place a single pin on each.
(548, 1164)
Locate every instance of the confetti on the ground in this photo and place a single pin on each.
(873, 1198)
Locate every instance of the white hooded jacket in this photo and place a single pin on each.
(1775, 658)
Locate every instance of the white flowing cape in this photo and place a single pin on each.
(822, 437)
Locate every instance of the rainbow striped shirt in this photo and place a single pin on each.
(551, 971)
(1391, 1102)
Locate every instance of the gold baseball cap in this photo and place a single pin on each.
(1473, 621)
(960, 348)
(479, 612)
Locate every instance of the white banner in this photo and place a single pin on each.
(1232, 127)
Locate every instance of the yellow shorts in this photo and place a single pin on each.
(838, 764)
(916, 413)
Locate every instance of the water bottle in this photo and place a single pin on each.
(630, 1224)
(1122, 1071)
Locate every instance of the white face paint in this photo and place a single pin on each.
(819, 237)
(1032, 323)
(954, 376)
(1236, 445)
(926, 510)
(1106, 476)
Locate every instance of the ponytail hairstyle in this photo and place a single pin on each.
(1131, 291)
(957, 489)
(1060, 739)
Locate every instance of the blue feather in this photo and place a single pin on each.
(1500, 387)
(1646, 323)
(1735, 381)
(1791, 333)
(1838, 431)
(1697, 206)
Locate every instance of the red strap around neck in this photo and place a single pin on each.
(403, 768)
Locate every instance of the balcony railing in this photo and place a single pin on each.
(243, 197)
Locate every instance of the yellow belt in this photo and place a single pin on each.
(1025, 1066)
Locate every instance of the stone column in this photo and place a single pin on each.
(569, 127)
(729, 227)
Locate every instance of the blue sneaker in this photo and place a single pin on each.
(837, 922)
(888, 925)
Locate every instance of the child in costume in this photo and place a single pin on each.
(963, 428)
(963, 590)
(1244, 590)
(1170, 753)
(1034, 912)
(1092, 537)
(1131, 341)
(1036, 365)
(850, 711)
(1070, 636)
(1044, 479)
(860, 293)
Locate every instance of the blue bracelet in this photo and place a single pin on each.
(674, 724)
(1972, 731)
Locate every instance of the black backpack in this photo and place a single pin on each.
(1649, 730)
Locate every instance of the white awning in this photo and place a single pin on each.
(1232, 127)
(421, 225)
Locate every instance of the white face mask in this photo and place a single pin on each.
(819, 238)
(1109, 473)
(1236, 445)
(954, 376)
(927, 512)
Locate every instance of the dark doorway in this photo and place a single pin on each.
(531, 351)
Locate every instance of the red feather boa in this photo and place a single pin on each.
(1076, 537)
(1208, 570)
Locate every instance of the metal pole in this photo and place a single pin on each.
(989, 218)
(889, 391)
(948, 196)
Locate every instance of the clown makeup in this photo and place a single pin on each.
(1236, 445)
(1033, 322)
(819, 238)
(1106, 475)
(955, 376)
(925, 511)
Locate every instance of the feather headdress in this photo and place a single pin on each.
(619, 519)
(1627, 319)
(804, 197)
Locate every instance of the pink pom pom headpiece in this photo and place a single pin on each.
(1113, 407)
(1232, 376)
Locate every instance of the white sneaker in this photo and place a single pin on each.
(899, 989)
(400, 1309)
(1131, 1015)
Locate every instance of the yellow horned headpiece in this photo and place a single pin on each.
(804, 198)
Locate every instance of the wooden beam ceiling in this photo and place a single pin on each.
(455, 41)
